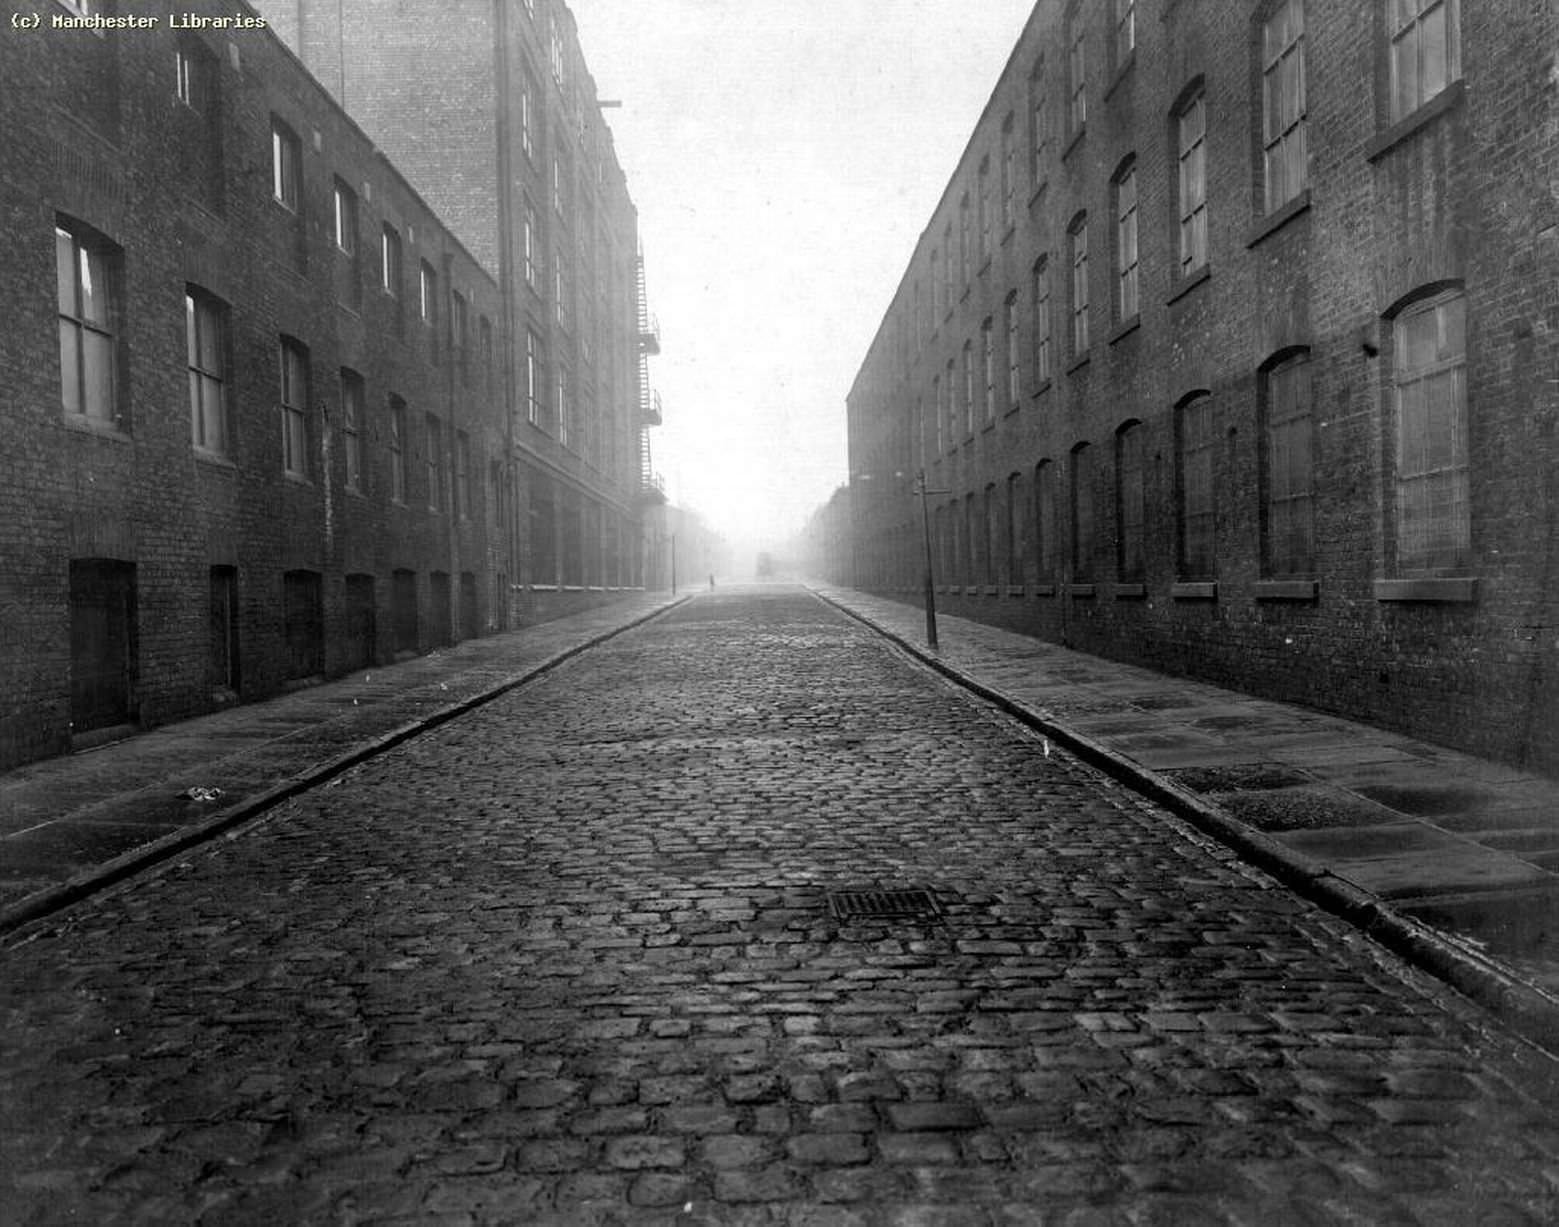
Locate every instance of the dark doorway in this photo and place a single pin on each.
(470, 607)
(223, 632)
(304, 611)
(102, 643)
(361, 623)
(403, 610)
(438, 584)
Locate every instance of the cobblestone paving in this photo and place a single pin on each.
(568, 959)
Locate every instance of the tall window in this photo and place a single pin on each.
(947, 267)
(963, 240)
(936, 412)
(1433, 520)
(1194, 444)
(205, 346)
(1130, 501)
(1042, 323)
(1012, 528)
(1125, 31)
(398, 438)
(1045, 520)
(1082, 514)
(462, 475)
(87, 313)
(390, 261)
(564, 406)
(988, 353)
(528, 241)
(1425, 51)
(989, 510)
(294, 408)
(560, 287)
(1288, 518)
(1009, 186)
(286, 164)
(953, 434)
(460, 329)
(1192, 125)
(1283, 103)
(968, 388)
(1079, 236)
(1126, 243)
(1039, 124)
(427, 295)
(193, 75)
(527, 114)
(345, 218)
(1014, 349)
(433, 443)
(985, 209)
(352, 427)
(936, 293)
(1077, 75)
(533, 383)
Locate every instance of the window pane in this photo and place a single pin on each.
(1433, 54)
(65, 271)
(97, 375)
(70, 367)
(94, 288)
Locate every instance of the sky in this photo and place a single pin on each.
(784, 156)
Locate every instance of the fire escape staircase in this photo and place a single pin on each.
(651, 488)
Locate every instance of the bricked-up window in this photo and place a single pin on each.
(398, 440)
(390, 272)
(1126, 305)
(286, 165)
(1009, 184)
(222, 628)
(1039, 124)
(1014, 352)
(1425, 38)
(1191, 123)
(1131, 502)
(1078, 233)
(1429, 392)
(462, 475)
(352, 427)
(433, 453)
(205, 337)
(968, 388)
(88, 312)
(988, 354)
(294, 408)
(1125, 32)
(533, 378)
(1045, 520)
(1283, 103)
(1042, 323)
(1287, 470)
(1082, 514)
(1194, 505)
(1076, 74)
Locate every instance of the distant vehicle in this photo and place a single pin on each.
(765, 565)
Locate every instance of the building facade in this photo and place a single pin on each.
(260, 396)
(489, 109)
(1231, 349)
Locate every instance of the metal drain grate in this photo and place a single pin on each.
(909, 903)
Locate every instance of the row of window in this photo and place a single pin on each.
(1424, 58)
(1426, 469)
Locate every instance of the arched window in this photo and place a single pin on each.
(1194, 499)
(1130, 502)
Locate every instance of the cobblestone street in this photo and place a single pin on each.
(571, 958)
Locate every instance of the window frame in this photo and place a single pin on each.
(286, 166)
(353, 401)
(204, 308)
(1278, 149)
(1044, 324)
(1128, 291)
(1196, 503)
(1131, 502)
(397, 441)
(391, 261)
(294, 399)
(1280, 412)
(433, 455)
(1077, 239)
(92, 259)
(1191, 206)
(1397, 31)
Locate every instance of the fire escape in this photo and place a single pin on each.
(651, 487)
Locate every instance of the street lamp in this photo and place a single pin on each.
(925, 519)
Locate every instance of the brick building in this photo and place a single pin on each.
(489, 110)
(260, 399)
(1230, 349)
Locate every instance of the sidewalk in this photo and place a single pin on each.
(1450, 858)
(71, 825)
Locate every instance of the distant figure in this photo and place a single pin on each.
(711, 581)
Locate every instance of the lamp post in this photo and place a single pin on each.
(925, 518)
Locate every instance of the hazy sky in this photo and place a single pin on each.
(784, 156)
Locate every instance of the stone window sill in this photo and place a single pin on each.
(1278, 218)
(1447, 590)
(1044, 590)
(1184, 285)
(1287, 589)
(1044, 386)
(86, 425)
(1074, 142)
(1081, 592)
(1194, 590)
(1130, 592)
(1448, 99)
(1124, 329)
(1078, 362)
(1121, 74)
